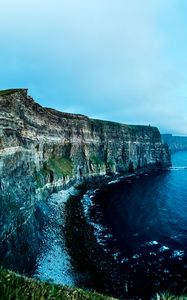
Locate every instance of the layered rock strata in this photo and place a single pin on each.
(42, 150)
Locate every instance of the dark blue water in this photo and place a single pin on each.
(142, 223)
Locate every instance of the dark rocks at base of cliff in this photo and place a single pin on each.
(102, 272)
(20, 245)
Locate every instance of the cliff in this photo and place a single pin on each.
(42, 150)
(175, 143)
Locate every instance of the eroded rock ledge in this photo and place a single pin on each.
(42, 150)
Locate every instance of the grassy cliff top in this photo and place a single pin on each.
(51, 112)
(10, 91)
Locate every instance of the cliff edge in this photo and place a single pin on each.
(42, 149)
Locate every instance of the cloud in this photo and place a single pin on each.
(122, 60)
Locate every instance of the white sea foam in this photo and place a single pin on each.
(87, 203)
(178, 253)
(152, 253)
(108, 235)
(152, 243)
(124, 260)
(113, 181)
(99, 229)
(163, 248)
(116, 255)
(179, 168)
(136, 256)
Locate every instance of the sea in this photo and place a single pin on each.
(140, 221)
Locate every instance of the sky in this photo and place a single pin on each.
(117, 60)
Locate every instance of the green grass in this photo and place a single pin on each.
(111, 163)
(16, 287)
(55, 168)
(95, 160)
(10, 91)
(117, 125)
(60, 166)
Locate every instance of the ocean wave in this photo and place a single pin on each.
(151, 243)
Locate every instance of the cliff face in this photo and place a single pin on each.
(42, 149)
(175, 143)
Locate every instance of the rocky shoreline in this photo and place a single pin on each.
(101, 271)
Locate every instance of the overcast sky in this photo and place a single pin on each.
(119, 60)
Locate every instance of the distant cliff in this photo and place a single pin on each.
(42, 149)
(175, 143)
